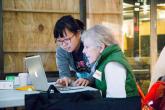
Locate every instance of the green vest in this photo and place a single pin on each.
(114, 54)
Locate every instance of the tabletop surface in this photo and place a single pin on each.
(13, 98)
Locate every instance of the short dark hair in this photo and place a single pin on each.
(73, 25)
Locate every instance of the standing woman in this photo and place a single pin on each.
(69, 53)
(113, 74)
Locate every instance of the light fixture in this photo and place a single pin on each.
(136, 7)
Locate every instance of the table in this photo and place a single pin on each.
(13, 98)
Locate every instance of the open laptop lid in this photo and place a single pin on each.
(36, 72)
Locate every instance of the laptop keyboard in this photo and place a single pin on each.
(64, 88)
(70, 88)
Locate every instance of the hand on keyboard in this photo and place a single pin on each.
(65, 81)
(81, 82)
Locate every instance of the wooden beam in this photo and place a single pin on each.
(29, 51)
(39, 11)
(153, 30)
(58, 11)
(1, 44)
(83, 12)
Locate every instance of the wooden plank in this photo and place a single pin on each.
(153, 30)
(104, 6)
(1, 43)
(39, 11)
(62, 5)
(108, 13)
(56, 11)
(33, 32)
(14, 62)
(114, 22)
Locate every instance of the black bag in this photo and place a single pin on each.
(131, 103)
(86, 100)
(59, 101)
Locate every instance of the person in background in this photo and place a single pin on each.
(69, 55)
(113, 75)
(159, 69)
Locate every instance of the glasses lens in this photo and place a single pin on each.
(66, 41)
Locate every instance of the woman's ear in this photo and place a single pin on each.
(78, 34)
(102, 47)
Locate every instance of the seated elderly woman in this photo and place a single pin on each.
(113, 74)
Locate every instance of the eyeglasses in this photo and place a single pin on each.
(66, 40)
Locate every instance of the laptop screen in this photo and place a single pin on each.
(36, 72)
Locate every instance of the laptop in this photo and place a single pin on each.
(39, 80)
(36, 72)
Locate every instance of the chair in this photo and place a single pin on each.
(155, 98)
(155, 95)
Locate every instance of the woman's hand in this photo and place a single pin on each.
(81, 82)
(65, 81)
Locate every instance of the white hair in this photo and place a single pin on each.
(99, 34)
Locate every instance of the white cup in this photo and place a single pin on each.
(23, 79)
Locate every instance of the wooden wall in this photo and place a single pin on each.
(28, 30)
(108, 13)
(28, 27)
